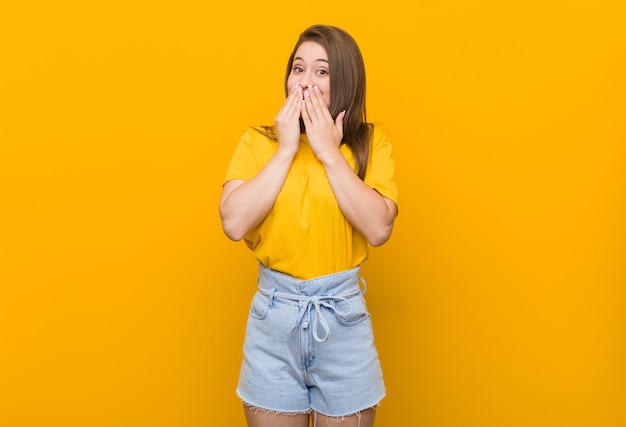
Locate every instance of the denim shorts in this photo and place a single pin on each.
(309, 346)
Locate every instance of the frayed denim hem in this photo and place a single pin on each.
(257, 409)
(342, 418)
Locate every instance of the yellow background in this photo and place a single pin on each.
(499, 300)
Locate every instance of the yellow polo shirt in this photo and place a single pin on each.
(305, 235)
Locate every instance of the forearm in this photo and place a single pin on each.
(244, 204)
(366, 209)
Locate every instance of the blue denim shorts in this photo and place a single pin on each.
(309, 346)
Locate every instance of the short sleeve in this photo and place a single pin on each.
(381, 170)
(244, 163)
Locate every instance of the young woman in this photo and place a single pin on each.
(308, 195)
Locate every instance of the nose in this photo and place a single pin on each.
(305, 80)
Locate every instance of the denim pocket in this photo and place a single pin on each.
(259, 308)
(354, 309)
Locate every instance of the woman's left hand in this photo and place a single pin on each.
(324, 133)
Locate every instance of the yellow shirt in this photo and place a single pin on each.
(305, 235)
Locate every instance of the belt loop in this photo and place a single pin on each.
(271, 296)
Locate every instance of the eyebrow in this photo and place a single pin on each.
(319, 59)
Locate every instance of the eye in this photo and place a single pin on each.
(297, 69)
(322, 72)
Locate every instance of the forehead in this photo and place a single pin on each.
(311, 51)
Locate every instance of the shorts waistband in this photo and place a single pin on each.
(339, 283)
(312, 294)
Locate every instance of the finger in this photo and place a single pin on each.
(320, 105)
(304, 112)
(294, 95)
(297, 101)
(339, 121)
(288, 101)
(309, 95)
(291, 107)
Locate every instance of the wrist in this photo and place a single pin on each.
(286, 152)
(330, 158)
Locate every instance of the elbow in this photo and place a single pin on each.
(380, 237)
(231, 231)
(378, 241)
(231, 227)
(380, 234)
(235, 237)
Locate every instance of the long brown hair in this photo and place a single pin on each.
(347, 83)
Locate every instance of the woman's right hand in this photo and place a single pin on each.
(244, 204)
(287, 121)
